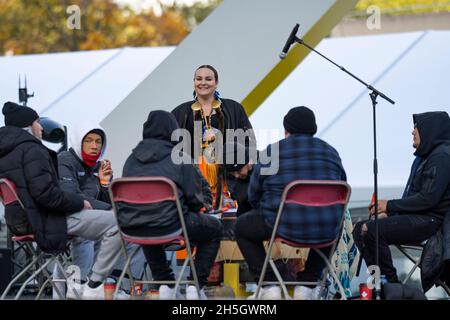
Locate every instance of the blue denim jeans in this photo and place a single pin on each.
(84, 251)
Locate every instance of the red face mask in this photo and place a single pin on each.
(91, 161)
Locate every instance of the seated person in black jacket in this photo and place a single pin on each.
(420, 212)
(51, 214)
(152, 157)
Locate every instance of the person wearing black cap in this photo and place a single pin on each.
(22, 117)
(301, 156)
(153, 156)
(51, 214)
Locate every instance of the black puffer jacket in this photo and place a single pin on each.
(435, 259)
(430, 190)
(77, 177)
(33, 169)
(152, 157)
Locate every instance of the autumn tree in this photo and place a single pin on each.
(37, 26)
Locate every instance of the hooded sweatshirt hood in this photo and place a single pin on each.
(157, 134)
(434, 130)
(79, 131)
(160, 125)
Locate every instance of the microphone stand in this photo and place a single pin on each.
(373, 96)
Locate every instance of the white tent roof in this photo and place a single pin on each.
(411, 68)
(74, 85)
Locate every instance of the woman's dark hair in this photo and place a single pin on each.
(207, 66)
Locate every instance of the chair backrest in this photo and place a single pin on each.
(8, 192)
(141, 191)
(328, 196)
(317, 193)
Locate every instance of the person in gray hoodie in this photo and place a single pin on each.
(84, 171)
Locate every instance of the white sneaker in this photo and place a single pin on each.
(166, 293)
(192, 294)
(122, 295)
(268, 293)
(93, 293)
(73, 286)
(306, 293)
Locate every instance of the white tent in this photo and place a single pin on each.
(75, 85)
(411, 68)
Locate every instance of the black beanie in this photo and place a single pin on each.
(18, 116)
(300, 120)
(232, 156)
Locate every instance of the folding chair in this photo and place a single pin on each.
(151, 190)
(40, 260)
(311, 194)
(406, 250)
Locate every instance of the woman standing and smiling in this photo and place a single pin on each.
(216, 115)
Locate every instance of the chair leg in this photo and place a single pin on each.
(333, 273)
(193, 269)
(410, 258)
(17, 277)
(280, 280)
(125, 269)
(264, 267)
(41, 290)
(413, 269)
(178, 280)
(36, 273)
(49, 278)
(444, 286)
(128, 270)
(60, 266)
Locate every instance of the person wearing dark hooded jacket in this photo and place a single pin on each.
(84, 171)
(51, 214)
(154, 156)
(419, 213)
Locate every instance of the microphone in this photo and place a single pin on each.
(289, 42)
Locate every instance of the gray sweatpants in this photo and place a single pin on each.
(98, 225)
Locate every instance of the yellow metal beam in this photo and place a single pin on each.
(297, 54)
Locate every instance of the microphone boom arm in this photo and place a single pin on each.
(368, 86)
